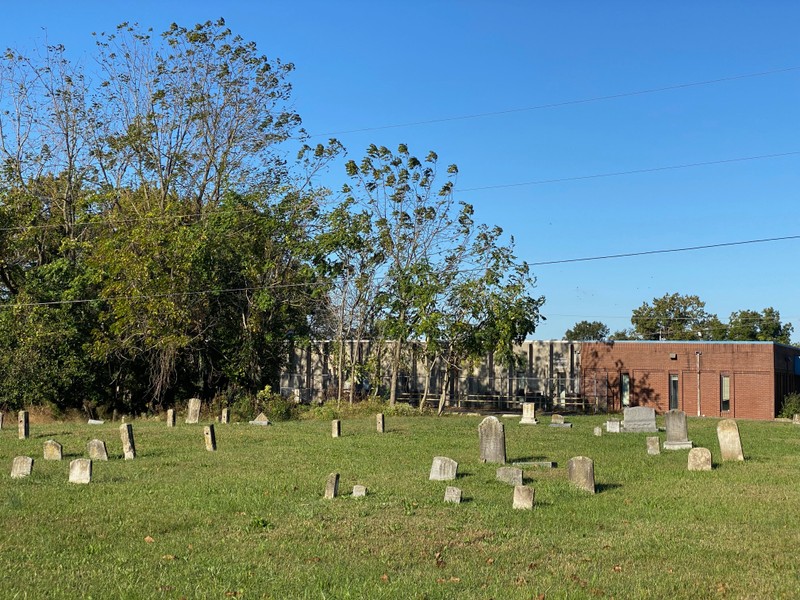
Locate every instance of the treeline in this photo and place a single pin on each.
(165, 232)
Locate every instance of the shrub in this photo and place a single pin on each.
(275, 406)
(791, 405)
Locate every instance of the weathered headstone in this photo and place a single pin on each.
(699, 459)
(795, 419)
(730, 444)
(653, 445)
(598, 431)
(443, 469)
(95, 422)
(492, 439)
(21, 467)
(523, 497)
(359, 491)
(225, 417)
(80, 470)
(23, 425)
(336, 428)
(581, 472)
(528, 414)
(510, 475)
(261, 419)
(379, 423)
(332, 486)
(96, 449)
(128, 445)
(612, 426)
(636, 419)
(210, 438)
(677, 431)
(193, 412)
(452, 495)
(557, 419)
(52, 450)
(171, 417)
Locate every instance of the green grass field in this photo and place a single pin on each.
(249, 521)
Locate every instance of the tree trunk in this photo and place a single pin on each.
(395, 372)
(445, 385)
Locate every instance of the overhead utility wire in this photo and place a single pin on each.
(564, 103)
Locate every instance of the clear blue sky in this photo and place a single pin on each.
(375, 64)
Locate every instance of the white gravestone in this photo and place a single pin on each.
(730, 444)
(443, 469)
(492, 440)
(80, 470)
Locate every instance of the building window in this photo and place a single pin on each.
(673, 391)
(724, 393)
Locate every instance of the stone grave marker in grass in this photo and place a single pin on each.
(598, 431)
(653, 445)
(639, 419)
(452, 495)
(379, 423)
(492, 441)
(261, 419)
(225, 417)
(210, 438)
(730, 444)
(128, 445)
(21, 467)
(581, 473)
(510, 475)
(193, 412)
(443, 469)
(171, 417)
(96, 449)
(23, 425)
(677, 431)
(523, 497)
(336, 428)
(612, 426)
(528, 414)
(52, 450)
(359, 491)
(699, 459)
(80, 470)
(332, 486)
(558, 421)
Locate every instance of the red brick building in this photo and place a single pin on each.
(729, 379)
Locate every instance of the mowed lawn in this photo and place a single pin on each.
(250, 520)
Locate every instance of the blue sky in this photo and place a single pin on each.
(376, 64)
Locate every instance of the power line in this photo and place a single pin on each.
(560, 104)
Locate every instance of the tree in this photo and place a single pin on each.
(587, 330)
(762, 326)
(673, 317)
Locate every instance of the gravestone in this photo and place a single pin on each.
(128, 445)
(261, 419)
(171, 417)
(80, 470)
(581, 472)
(510, 475)
(359, 491)
(492, 440)
(210, 438)
(598, 431)
(730, 444)
(379, 423)
(523, 497)
(677, 431)
(193, 412)
(225, 417)
(557, 420)
(336, 428)
(1, 420)
(96, 449)
(612, 426)
(52, 450)
(23, 425)
(653, 446)
(528, 414)
(452, 495)
(699, 459)
(95, 422)
(636, 419)
(539, 464)
(21, 467)
(443, 469)
(332, 486)
(795, 419)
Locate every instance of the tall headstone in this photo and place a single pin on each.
(510, 475)
(492, 439)
(225, 417)
(581, 473)
(699, 459)
(452, 495)
(171, 417)
(638, 419)
(23, 425)
(96, 449)
(21, 467)
(336, 428)
(193, 412)
(677, 431)
(443, 469)
(528, 414)
(52, 450)
(523, 497)
(380, 424)
(80, 470)
(332, 486)
(653, 445)
(128, 445)
(210, 438)
(730, 444)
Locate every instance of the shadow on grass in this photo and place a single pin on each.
(528, 459)
(463, 474)
(599, 488)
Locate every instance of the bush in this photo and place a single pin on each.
(275, 406)
(791, 405)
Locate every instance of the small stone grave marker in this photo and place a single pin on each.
(795, 419)
(21, 467)
(332, 486)
(558, 421)
(452, 495)
(510, 475)
(261, 419)
(193, 412)
(171, 417)
(523, 497)
(96, 422)
(598, 431)
(210, 438)
(80, 470)
(225, 417)
(677, 431)
(1, 420)
(128, 445)
(96, 449)
(492, 440)
(23, 425)
(443, 469)
(336, 428)
(539, 464)
(379, 423)
(653, 445)
(52, 450)
(359, 491)
(612, 426)
(581, 473)
(528, 414)
(638, 419)
(699, 459)
(730, 444)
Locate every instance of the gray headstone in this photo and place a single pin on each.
(80, 470)
(653, 445)
(452, 494)
(95, 422)
(699, 459)
(730, 444)
(443, 469)
(225, 417)
(21, 467)
(523, 497)
(380, 425)
(557, 420)
(598, 431)
(261, 419)
(52, 450)
(612, 426)
(128, 445)
(193, 412)
(23, 425)
(510, 475)
(332, 486)
(492, 439)
(171, 417)
(359, 491)
(96, 449)
(581, 473)
(528, 414)
(639, 419)
(210, 438)
(336, 428)
(677, 431)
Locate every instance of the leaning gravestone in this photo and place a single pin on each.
(23, 425)
(677, 431)
(336, 428)
(380, 424)
(96, 449)
(128, 445)
(653, 446)
(510, 475)
(443, 469)
(261, 419)
(612, 426)
(523, 497)
(210, 438)
(332, 486)
(171, 417)
(452, 495)
(492, 439)
(581, 472)
(528, 414)
(730, 444)
(80, 470)
(52, 450)
(21, 467)
(699, 459)
(639, 419)
(193, 414)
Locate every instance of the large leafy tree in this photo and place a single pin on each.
(674, 317)
(765, 326)
(587, 330)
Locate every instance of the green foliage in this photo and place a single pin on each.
(790, 406)
(673, 317)
(275, 406)
(587, 330)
